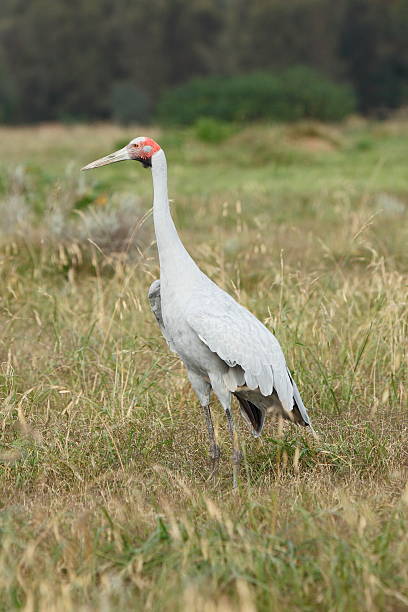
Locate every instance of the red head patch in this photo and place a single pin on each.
(142, 148)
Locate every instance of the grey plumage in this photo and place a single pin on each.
(254, 405)
(223, 346)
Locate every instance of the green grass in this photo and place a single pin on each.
(105, 497)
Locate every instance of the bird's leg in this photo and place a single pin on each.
(236, 453)
(224, 395)
(203, 390)
(214, 448)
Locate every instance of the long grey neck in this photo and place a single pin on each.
(174, 259)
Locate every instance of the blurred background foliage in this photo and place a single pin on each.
(134, 61)
(296, 93)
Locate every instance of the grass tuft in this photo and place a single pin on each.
(106, 502)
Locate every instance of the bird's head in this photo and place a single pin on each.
(139, 149)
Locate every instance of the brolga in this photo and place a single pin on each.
(224, 347)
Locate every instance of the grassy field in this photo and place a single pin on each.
(105, 498)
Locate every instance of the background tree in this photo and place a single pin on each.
(65, 60)
(374, 45)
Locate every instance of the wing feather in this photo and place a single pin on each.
(238, 338)
(154, 297)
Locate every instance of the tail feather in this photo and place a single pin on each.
(255, 406)
(299, 405)
(252, 414)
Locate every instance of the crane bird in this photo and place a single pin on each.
(224, 347)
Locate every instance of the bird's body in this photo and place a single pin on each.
(201, 361)
(224, 347)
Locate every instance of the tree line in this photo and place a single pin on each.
(74, 60)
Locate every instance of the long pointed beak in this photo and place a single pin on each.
(117, 156)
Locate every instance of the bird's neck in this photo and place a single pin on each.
(174, 259)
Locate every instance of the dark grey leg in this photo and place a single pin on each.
(224, 396)
(236, 453)
(214, 448)
(203, 390)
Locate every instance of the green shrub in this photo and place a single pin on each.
(296, 93)
(208, 129)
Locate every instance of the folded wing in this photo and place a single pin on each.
(239, 339)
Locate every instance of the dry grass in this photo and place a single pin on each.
(105, 499)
